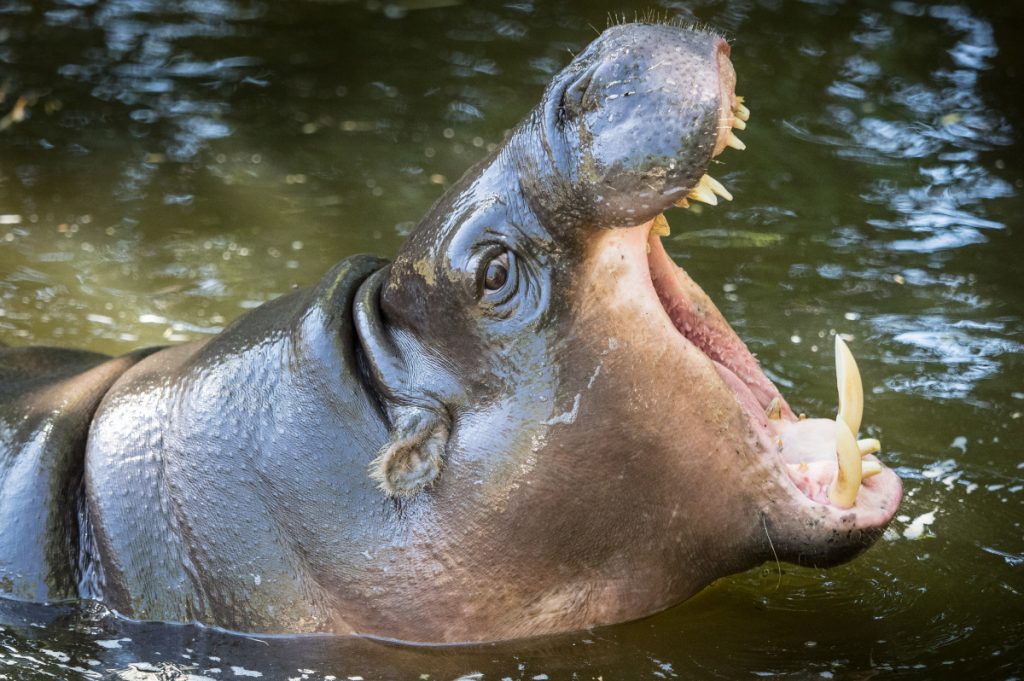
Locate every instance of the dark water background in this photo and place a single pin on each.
(173, 164)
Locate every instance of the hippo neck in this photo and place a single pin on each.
(278, 403)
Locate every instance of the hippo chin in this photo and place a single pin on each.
(532, 421)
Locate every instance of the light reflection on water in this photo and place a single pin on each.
(958, 353)
(179, 163)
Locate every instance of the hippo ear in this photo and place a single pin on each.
(412, 459)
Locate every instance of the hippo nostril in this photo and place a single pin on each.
(722, 47)
(574, 96)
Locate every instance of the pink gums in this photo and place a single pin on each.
(700, 322)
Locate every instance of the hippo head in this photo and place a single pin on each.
(578, 437)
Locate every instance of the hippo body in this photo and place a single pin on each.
(530, 422)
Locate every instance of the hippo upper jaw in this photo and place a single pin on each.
(628, 129)
(798, 455)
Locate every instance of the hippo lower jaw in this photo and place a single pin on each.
(804, 458)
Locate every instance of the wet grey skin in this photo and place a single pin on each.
(500, 434)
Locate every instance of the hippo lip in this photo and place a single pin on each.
(732, 115)
(808, 460)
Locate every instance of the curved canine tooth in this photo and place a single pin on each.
(851, 391)
(660, 226)
(869, 446)
(738, 123)
(843, 490)
(742, 112)
(701, 192)
(869, 468)
(734, 142)
(716, 186)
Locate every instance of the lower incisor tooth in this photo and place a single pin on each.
(716, 186)
(869, 446)
(869, 468)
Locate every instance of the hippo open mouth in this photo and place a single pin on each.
(821, 457)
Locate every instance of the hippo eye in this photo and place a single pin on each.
(497, 273)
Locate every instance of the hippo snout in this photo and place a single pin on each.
(632, 125)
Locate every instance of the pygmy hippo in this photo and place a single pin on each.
(531, 421)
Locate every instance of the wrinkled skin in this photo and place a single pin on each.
(409, 451)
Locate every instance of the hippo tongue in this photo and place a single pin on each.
(808, 449)
(812, 449)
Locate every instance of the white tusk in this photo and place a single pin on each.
(851, 391)
(733, 141)
(843, 490)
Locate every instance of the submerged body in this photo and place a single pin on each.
(531, 421)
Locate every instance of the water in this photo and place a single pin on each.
(179, 163)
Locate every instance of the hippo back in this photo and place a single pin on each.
(224, 479)
(47, 400)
